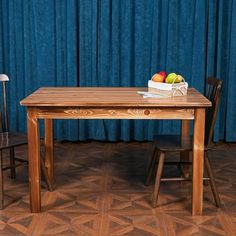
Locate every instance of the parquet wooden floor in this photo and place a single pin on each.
(100, 191)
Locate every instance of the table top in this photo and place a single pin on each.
(109, 97)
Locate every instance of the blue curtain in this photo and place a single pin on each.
(117, 43)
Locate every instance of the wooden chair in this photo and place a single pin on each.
(8, 141)
(173, 143)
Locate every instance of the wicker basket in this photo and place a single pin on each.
(168, 90)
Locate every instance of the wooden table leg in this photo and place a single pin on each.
(184, 156)
(198, 161)
(49, 149)
(34, 160)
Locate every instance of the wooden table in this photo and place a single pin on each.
(109, 103)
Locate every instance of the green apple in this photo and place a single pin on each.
(171, 78)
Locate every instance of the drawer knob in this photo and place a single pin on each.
(146, 112)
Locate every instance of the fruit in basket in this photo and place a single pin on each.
(171, 78)
(163, 73)
(179, 79)
(159, 77)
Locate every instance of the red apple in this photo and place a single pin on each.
(163, 73)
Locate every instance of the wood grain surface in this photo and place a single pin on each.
(114, 113)
(108, 97)
(198, 160)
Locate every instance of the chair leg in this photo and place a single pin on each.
(185, 170)
(45, 174)
(212, 181)
(158, 179)
(1, 184)
(151, 167)
(12, 163)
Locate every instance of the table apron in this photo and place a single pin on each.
(113, 113)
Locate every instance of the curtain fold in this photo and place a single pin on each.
(117, 43)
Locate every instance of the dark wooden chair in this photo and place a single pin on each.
(173, 143)
(8, 141)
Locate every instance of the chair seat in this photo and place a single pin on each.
(172, 143)
(8, 140)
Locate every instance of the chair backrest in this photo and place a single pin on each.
(214, 88)
(3, 112)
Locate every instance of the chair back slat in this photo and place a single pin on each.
(213, 94)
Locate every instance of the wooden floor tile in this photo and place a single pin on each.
(100, 191)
